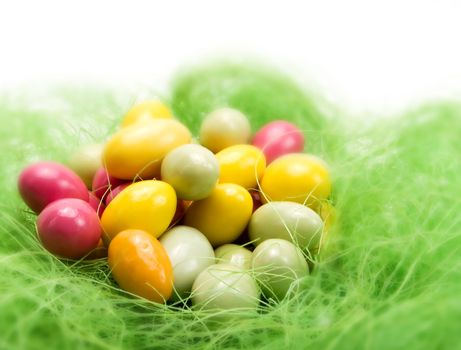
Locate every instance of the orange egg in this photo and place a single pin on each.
(141, 266)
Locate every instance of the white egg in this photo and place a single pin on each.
(291, 221)
(86, 161)
(225, 287)
(233, 254)
(278, 265)
(190, 253)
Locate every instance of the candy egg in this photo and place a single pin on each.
(192, 170)
(291, 221)
(190, 253)
(146, 205)
(42, 183)
(96, 203)
(224, 127)
(297, 177)
(278, 138)
(223, 215)
(278, 265)
(103, 183)
(243, 165)
(140, 265)
(86, 161)
(233, 254)
(113, 193)
(225, 287)
(138, 150)
(69, 228)
(146, 111)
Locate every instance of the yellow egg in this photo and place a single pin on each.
(243, 165)
(138, 150)
(146, 205)
(223, 215)
(296, 177)
(146, 110)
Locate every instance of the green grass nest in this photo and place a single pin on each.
(390, 278)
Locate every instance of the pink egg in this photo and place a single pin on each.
(278, 138)
(42, 183)
(69, 228)
(112, 194)
(97, 204)
(103, 183)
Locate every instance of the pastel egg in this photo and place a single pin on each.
(224, 127)
(233, 254)
(42, 183)
(137, 151)
(278, 138)
(190, 253)
(146, 205)
(243, 165)
(146, 111)
(291, 221)
(96, 203)
(297, 177)
(86, 161)
(225, 287)
(114, 193)
(223, 215)
(278, 266)
(192, 170)
(140, 265)
(103, 183)
(69, 228)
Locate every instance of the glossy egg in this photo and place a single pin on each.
(146, 205)
(146, 111)
(86, 161)
(114, 193)
(192, 170)
(291, 221)
(223, 215)
(103, 183)
(190, 253)
(140, 265)
(69, 228)
(278, 138)
(137, 151)
(297, 177)
(243, 165)
(233, 254)
(225, 287)
(42, 183)
(278, 266)
(224, 127)
(96, 203)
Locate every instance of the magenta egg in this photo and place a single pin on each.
(69, 228)
(103, 183)
(112, 194)
(42, 183)
(278, 138)
(97, 204)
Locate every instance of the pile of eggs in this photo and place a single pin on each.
(220, 222)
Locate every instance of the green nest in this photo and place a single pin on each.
(390, 277)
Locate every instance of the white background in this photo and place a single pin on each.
(364, 55)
